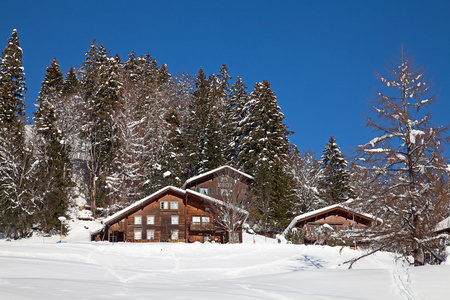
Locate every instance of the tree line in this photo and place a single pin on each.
(114, 131)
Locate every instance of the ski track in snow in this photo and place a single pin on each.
(401, 278)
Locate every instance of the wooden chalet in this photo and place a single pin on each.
(334, 217)
(178, 215)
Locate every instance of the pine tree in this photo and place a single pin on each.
(264, 135)
(12, 88)
(54, 167)
(282, 197)
(335, 184)
(203, 139)
(168, 170)
(234, 113)
(134, 136)
(147, 94)
(406, 158)
(17, 204)
(100, 77)
(72, 121)
(306, 175)
(264, 147)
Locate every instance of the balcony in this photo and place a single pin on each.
(201, 226)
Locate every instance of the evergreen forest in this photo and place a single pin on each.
(115, 130)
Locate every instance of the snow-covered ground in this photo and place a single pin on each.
(38, 268)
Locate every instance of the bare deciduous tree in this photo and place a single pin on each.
(407, 163)
(235, 202)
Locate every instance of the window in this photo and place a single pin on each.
(203, 191)
(150, 220)
(137, 220)
(225, 179)
(205, 219)
(137, 234)
(164, 204)
(173, 204)
(196, 219)
(244, 191)
(225, 192)
(174, 220)
(150, 234)
(174, 235)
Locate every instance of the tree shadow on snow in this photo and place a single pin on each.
(306, 263)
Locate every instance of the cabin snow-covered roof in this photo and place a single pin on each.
(443, 225)
(195, 178)
(141, 202)
(325, 209)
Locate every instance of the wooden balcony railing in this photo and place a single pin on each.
(201, 226)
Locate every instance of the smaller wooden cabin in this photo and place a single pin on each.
(334, 218)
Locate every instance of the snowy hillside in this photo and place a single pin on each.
(41, 269)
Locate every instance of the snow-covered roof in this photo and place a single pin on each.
(140, 202)
(322, 210)
(443, 225)
(193, 179)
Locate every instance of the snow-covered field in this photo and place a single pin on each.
(39, 268)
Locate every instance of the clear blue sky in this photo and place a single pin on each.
(319, 56)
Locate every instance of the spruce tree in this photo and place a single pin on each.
(263, 147)
(264, 135)
(234, 113)
(17, 204)
(281, 198)
(102, 86)
(203, 137)
(54, 167)
(12, 90)
(335, 183)
(168, 170)
(306, 175)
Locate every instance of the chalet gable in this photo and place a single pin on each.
(221, 173)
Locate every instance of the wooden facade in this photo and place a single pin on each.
(221, 182)
(176, 215)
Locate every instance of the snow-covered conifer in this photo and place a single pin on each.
(306, 176)
(335, 180)
(203, 132)
(102, 86)
(17, 204)
(53, 167)
(263, 147)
